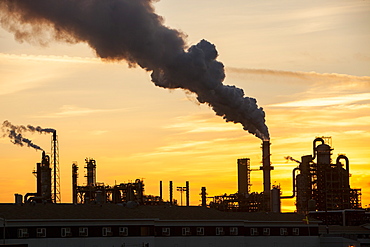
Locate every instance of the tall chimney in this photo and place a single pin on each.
(160, 191)
(171, 192)
(74, 182)
(187, 194)
(266, 168)
(204, 196)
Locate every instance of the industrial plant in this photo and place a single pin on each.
(319, 186)
(123, 215)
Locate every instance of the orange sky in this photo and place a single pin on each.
(307, 67)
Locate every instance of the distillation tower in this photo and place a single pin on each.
(322, 185)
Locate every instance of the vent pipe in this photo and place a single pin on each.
(341, 156)
(171, 191)
(187, 194)
(266, 168)
(204, 196)
(314, 146)
(160, 191)
(74, 182)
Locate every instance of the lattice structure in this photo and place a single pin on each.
(56, 196)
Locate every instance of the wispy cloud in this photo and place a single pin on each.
(23, 72)
(300, 74)
(12, 83)
(188, 148)
(326, 101)
(201, 123)
(73, 111)
(98, 132)
(50, 58)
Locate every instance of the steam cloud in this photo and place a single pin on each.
(130, 30)
(14, 132)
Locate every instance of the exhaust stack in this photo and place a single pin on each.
(266, 168)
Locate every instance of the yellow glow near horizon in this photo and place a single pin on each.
(305, 63)
(193, 145)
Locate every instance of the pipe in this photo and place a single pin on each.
(294, 185)
(314, 146)
(74, 182)
(204, 197)
(36, 198)
(187, 194)
(345, 158)
(160, 191)
(171, 192)
(266, 168)
(29, 194)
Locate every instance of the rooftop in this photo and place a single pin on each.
(116, 211)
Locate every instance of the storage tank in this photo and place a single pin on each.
(275, 200)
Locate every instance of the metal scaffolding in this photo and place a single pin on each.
(56, 196)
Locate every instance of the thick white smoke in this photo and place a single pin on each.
(130, 30)
(14, 132)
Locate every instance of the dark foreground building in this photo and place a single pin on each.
(117, 225)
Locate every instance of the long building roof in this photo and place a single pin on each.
(115, 211)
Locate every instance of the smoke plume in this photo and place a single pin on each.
(14, 132)
(130, 30)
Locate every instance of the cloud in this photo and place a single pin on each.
(314, 76)
(326, 101)
(23, 72)
(201, 123)
(73, 111)
(98, 132)
(50, 58)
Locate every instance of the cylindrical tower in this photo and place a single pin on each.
(74, 182)
(204, 196)
(275, 200)
(160, 191)
(171, 191)
(266, 168)
(44, 178)
(323, 152)
(304, 187)
(187, 194)
(243, 176)
(90, 172)
(324, 185)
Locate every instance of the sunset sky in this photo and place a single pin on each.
(306, 63)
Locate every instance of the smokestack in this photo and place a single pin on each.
(132, 31)
(187, 194)
(74, 182)
(171, 192)
(204, 196)
(160, 191)
(266, 168)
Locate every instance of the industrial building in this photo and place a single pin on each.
(319, 186)
(117, 225)
(328, 211)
